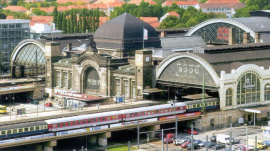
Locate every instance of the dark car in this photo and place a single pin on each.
(195, 146)
(219, 146)
(34, 102)
(236, 141)
(197, 141)
(213, 139)
(210, 144)
(202, 144)
(157, 134)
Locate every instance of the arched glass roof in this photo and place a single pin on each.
(30, 55)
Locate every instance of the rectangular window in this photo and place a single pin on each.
(68, 123)
(84, 121)
(9, 132)
(103, 119)
(89, 120)
(64, 124)
(70, 80)
(94, 120)
(14, 131)
(37, 127)
(108, 118)
(118, 87)
(133, 89)
(74, 123)
(58, 79)
(65, 80)
(79, 122)
(126, 88)
(32, 128)
(20, 130)
(26, 129)
(3, 132)
(58, 124)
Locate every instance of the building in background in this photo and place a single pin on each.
(12, 33)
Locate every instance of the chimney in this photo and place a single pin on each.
(69, 46)
(246, 36)
(231, 36)
(257, 38)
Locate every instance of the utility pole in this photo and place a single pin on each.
(138, 135)
(203, 89)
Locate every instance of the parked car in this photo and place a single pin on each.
(178, 142)
(243, 148)
(169, 140)
(236, 141)
(157, 134)
(34, 102)
(197, 141)
(210, 144)
(48, 104)
(213, 139)
(189, 131)
(202, 144)
(169, 135)
(184, 145)
(219, 146)
(195, 146)
(267, 143)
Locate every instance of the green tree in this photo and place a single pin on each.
(80, 23)
(59, 21)
(55, 15)
(64, 23)
(39, 12)
(68, 25)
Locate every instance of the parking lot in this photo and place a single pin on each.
(237, 132)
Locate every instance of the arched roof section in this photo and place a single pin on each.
(35, 46)
(188, 69)
(219, 28)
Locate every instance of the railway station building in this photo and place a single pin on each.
(116, 61)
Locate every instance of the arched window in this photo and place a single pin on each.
(229, 95)
(91, 79)
(267, 92)
(248, 88)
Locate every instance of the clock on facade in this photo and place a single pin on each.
(147, 59)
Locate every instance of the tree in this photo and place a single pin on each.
(39, 12)
(64, 23)
(59, 21)
(55, 14)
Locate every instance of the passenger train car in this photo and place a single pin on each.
(210, 104)
(98, 119)
(23, 129)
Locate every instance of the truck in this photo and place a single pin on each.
(222, 138)
(260, 143)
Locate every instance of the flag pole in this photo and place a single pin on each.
(143, 38)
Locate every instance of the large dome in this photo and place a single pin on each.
(125, 32)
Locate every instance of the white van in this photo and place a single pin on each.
(222, 138)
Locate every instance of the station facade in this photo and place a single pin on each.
(237, 75)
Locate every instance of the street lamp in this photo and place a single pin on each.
(13, 83)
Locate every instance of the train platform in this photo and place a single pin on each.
(39, 111)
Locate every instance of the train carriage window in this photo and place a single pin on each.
(114, 117)
(58, 124)
(195, 105)
(14, 131)
(64, 124)
(84, 121)
(149, 112)
(20, 130)
(32, 128)
(170, 109)
(135, 114)
(3, 132)
(153, 112)
(131, 114)
(79, 122)
(9, 132)
(157, 111)
(26, 129)
(190, 106)
(143, 113)
(89, 120)
(37, 127)
(94, 120)
(140, 113)
(98, 119)
(103, 118)
(108, 118)
(74, 123)
(68, 123)
(217, 103)
(166, 110)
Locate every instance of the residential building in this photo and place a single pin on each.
(12, 32)
(181, 4)
(20, 9)
(173, 13)
(226, 8)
